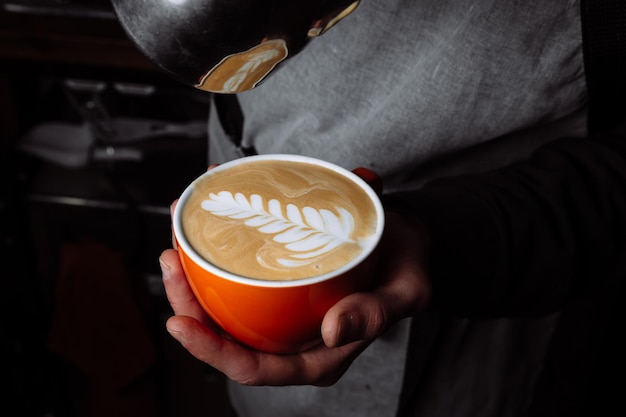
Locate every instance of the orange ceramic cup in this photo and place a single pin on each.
(274, 316)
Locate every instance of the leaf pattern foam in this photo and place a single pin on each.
(307, 232)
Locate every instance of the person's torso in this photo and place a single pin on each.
(402, 83)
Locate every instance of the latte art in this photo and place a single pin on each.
(306, 233)
(278, 221)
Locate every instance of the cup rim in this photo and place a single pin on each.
(222, 273)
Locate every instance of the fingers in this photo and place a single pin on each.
(402, 289)
(359, 316)
(179, 294)
(201, 337)
(172, 208)
(371, 178)
(319, 366)
(192, 328)
(364, 316)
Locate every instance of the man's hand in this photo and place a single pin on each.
(401, 290)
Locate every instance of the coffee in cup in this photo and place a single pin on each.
(269, 243)
(276, 220)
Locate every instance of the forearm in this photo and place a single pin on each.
(524, 239)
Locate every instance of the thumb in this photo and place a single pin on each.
(403, 289)
(359, 316)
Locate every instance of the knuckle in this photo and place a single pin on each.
(247, 381)
(377, 321)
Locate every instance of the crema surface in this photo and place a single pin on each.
(278, 220)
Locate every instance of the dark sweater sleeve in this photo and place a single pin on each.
(525, 239)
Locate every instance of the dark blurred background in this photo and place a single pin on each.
(95, 145)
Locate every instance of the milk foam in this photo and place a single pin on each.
(307, 233)
(279, 221)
